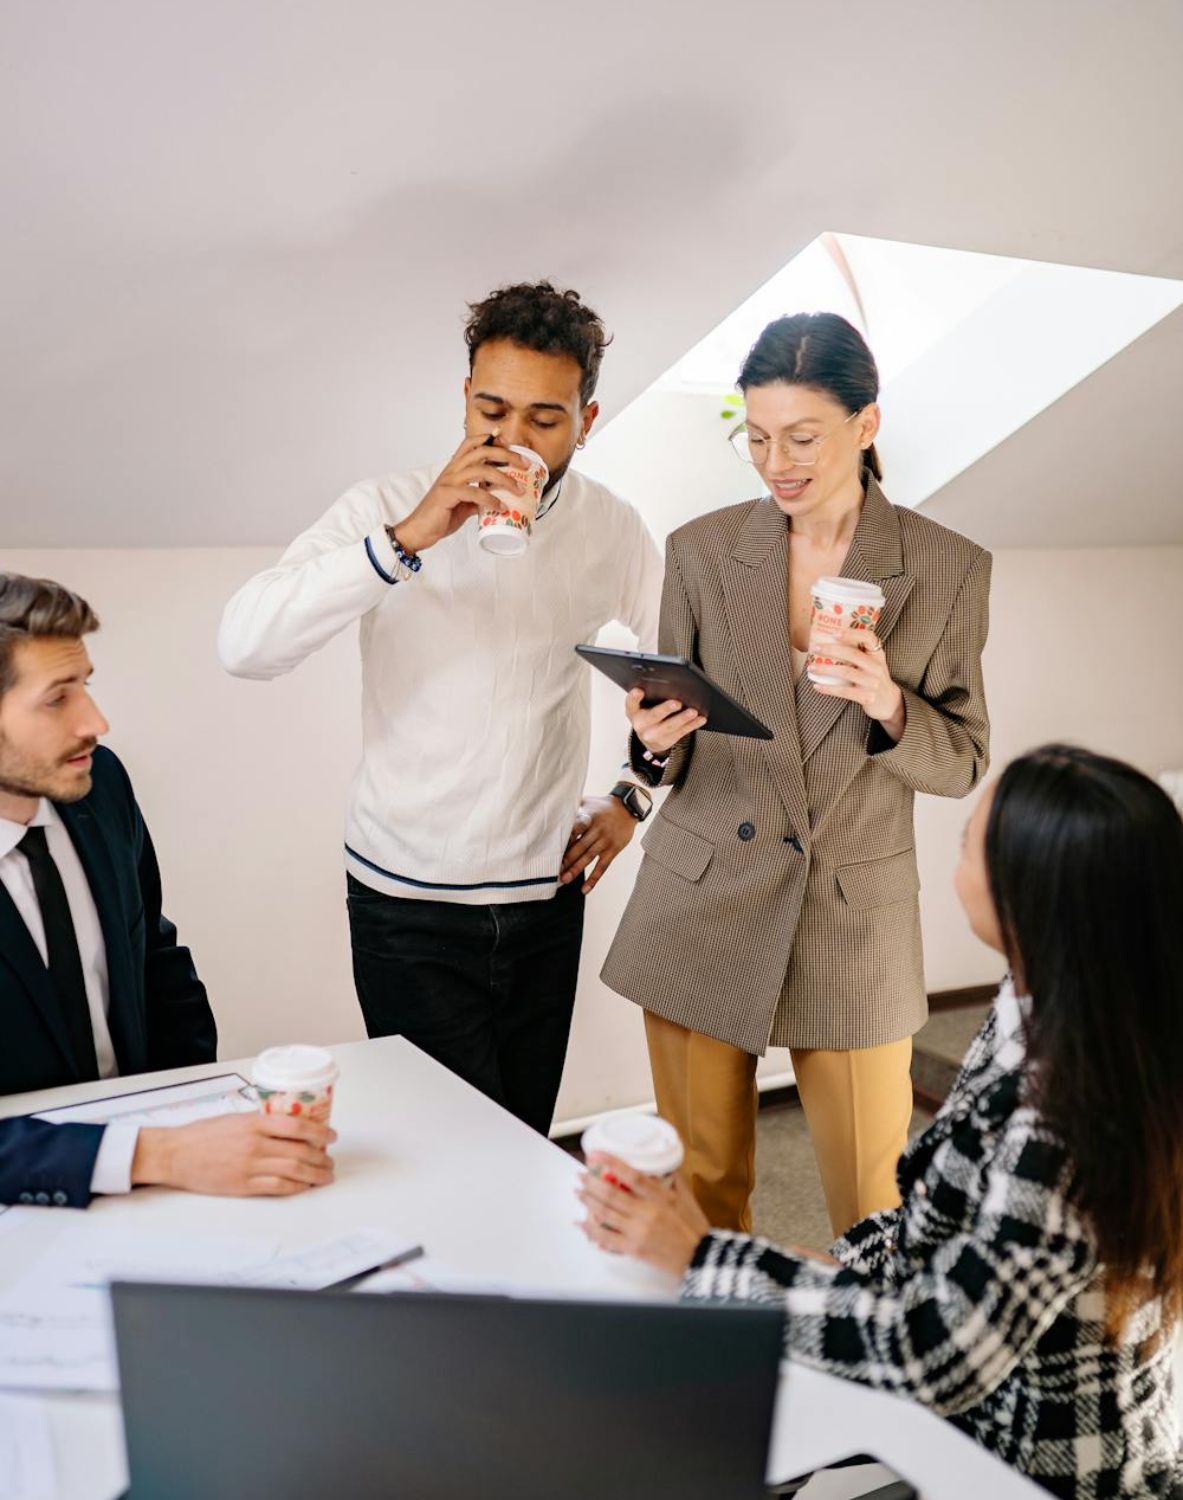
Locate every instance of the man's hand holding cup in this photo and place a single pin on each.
(236, 1156)
(476, 467)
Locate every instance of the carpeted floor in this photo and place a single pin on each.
(948, 1033)
(789, 1207)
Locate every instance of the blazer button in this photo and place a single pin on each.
(60, 1198)
(43, 1199)
(746, 831)
(25, 1198)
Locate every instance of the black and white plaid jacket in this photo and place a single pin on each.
(980, 1296)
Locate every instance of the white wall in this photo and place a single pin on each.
(244, 783)
(1061, 664)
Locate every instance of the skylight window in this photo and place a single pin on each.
(970, 347)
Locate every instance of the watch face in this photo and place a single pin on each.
(634, 799)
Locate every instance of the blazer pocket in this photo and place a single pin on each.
(879, 882)
(677, 849)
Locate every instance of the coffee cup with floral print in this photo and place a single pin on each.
(505, 530)
(295, 1080)
(838, 603)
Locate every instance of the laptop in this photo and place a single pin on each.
(235, 1393)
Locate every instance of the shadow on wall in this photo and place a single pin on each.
(226, 394)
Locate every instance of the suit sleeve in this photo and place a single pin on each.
(181, 1028)
(677, 635)
(945, 748)
(950, 1331)
(870, 1245)
(52, 1164)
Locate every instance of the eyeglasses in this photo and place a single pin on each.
(803, 451)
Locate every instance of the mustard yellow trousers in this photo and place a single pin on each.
(857, 1105)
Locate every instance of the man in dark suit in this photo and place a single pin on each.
(93, 981)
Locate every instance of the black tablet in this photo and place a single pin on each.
(673, 677)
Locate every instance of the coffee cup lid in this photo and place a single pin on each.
(531, 457)
(294, 1067)
(647, 1143)
(849, 588)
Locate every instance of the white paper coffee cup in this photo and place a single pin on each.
(506, 533)
(839, 603)
(644, 1142)
(295, 1080)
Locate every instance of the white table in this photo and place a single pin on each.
(423, 1154)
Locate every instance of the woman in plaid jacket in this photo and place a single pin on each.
(1030, 1283)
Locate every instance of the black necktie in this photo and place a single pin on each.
(61, 944)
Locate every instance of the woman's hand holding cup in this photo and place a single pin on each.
(859, 671)
(634, 1213)
(661, 727)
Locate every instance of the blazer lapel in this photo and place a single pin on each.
(124, 1018)
(756, 596)
(875, 556)
(19, 952)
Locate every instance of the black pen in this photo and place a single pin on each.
(402, 1259)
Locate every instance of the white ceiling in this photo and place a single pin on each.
(239, 234)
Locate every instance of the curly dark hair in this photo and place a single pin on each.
(536, 315)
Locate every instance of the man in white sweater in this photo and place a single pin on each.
(467, 834)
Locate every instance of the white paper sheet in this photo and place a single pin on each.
(326, 1264)
(55, 1326)
(27, 1469)
(178, 1104)
(428, 1275)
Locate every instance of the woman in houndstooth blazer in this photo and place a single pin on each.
(777, 901)
(1030, 1283)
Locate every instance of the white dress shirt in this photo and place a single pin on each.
(112, 1170)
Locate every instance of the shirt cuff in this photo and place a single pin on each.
(112, 1166)
(383, 557)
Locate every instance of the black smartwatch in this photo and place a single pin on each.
(638, 801)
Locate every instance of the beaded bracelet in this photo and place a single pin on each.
(410, 560)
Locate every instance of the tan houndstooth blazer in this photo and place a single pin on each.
(777, 900)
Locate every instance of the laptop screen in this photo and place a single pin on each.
(239, 1393)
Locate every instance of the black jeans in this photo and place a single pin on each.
(486, 990)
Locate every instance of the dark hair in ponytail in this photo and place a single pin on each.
(1085, 857)
(820, 350)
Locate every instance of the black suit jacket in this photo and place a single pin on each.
(46, 1164)
(159, 1013)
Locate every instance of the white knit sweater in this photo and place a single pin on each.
(475, 708)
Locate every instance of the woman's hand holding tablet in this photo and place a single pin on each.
(677, 698)
(661, 727)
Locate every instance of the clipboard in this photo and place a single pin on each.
(673, 677)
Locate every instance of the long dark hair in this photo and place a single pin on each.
(820, 350)
(1085, 858)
